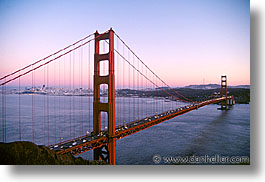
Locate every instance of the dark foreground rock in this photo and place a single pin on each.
(27, 153)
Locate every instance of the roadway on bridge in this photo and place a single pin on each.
(91, 141)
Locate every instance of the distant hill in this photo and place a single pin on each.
(206, 86)
(215, 86)
(240, 86)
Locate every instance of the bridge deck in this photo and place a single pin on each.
(88, 142)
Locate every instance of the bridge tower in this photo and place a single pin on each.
(98, 106)
(223, 92)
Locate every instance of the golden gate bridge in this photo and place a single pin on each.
(88, 95)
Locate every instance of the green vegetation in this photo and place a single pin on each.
(27, 153)
(241, 95)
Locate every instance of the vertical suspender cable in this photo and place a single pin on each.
(64, 90)
(70, 98)
(89, 130)
(73, 96)
(44, 104)
(138, 91)
(32, 97)
(2, 107)
(48, 104)
(59, 118)
(129, 88)
(19, 110)
(4, 113)
(123, 77)
(54, 89)
(81, 72)
(133, 88)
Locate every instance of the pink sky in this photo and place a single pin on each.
(183, 42)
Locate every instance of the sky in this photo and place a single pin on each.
(183, 41)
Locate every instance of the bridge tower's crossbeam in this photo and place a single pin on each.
(98, 106)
